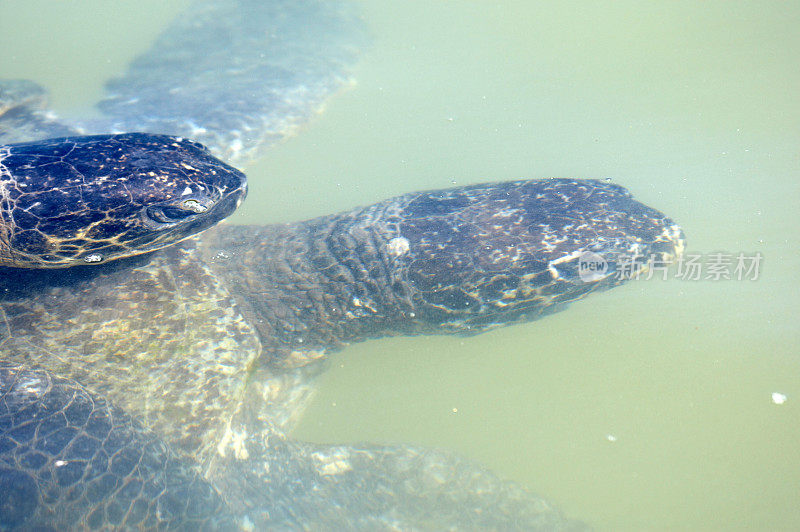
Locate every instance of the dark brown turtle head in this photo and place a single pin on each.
(92, 199)
(469, 259)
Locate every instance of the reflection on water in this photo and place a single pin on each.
(647, 406)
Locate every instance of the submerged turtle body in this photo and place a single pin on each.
(159, 390)
(213, 343)
(80, 200)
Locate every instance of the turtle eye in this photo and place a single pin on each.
(158, 216)
(193, 205)
(171, 213)
(168, 214)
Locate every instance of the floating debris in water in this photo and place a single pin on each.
(778, 398)
(611, 438)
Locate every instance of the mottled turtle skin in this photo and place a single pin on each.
(211, 345)
(90, 199)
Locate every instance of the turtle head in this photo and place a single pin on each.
(470, 259)
(98, 198)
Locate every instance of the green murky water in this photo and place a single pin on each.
(693, 107)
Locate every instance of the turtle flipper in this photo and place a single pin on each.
(69, 458)
(24, 115)
(237, 75)
(297, 485)
(282, 483)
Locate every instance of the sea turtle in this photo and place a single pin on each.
(159, 390)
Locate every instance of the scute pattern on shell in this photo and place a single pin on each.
(161, 340)
(70, 459)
